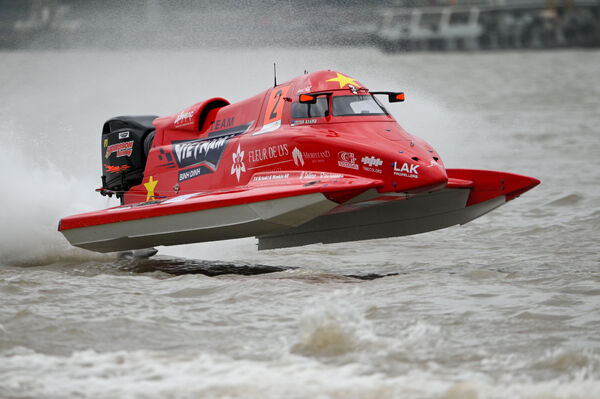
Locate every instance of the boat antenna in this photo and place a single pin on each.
(274, 74)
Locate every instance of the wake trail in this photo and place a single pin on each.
(35, 198)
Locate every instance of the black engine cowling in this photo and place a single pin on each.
(126, 141)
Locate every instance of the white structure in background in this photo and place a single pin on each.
(490, 24)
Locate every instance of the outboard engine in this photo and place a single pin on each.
(126, 142)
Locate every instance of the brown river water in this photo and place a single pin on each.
(507, 306)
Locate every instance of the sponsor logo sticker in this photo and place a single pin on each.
(298, 122)
(123, 135)
(372, 161)
(193, 152)
(122, 149)
(184, 118)
(406, 170)
(371, 164)
(317, 154)
(117, 168)
(238, 166)
(298, 160)
(347, 160)
(271, 177)
(320, 175)
(193, 172)
(201, 156)
(267, 153)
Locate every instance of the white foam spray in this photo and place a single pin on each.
(35, 196)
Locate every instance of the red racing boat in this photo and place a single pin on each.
(315, 159)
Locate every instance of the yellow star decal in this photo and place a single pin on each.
(343, 80)
(150, 188)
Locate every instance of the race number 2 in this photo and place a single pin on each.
(274, 109)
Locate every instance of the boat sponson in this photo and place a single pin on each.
(404, 216)
(204, 225)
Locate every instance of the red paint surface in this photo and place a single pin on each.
(340, 156)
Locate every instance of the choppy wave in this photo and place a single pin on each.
(503, 307)
(151, 374)
(567, 200)
(333, 327)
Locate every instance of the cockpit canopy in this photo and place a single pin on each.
(340, 105)
(356, 105)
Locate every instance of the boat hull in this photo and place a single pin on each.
(203, 225)
(401, 217)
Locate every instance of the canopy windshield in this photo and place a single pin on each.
(353, 105)
(320, 108)
(356, 105)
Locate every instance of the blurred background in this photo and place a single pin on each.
(391, 25)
